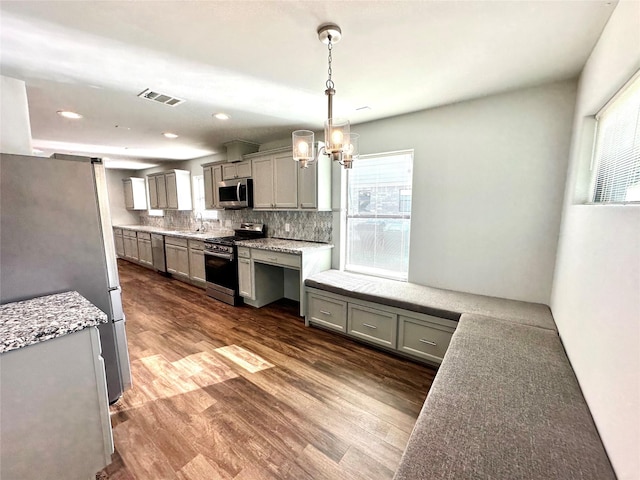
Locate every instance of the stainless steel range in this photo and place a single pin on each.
(221, 265)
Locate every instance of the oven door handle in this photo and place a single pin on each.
(226, 256)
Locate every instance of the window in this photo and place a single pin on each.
(198, 199)
(378, 219)
(617, 148)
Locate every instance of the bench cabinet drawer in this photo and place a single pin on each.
(328, 312)
(376, 326)
(423, 339)
(276, 258)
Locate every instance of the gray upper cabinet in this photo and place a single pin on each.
(280, 184)
(212, 175)
(170, 190)
(236, 170)
(135, 193)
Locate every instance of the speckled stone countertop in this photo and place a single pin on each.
(43, 318)
(296, 247)
(221, 232)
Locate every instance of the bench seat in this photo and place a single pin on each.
(431, 301)
(505, 404)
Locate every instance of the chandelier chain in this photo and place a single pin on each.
(330, 83)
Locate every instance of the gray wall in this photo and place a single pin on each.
(488, 184)
(119, 214)
(596, 293)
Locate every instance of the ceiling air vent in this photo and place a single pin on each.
(160, 97)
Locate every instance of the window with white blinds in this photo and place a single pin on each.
(378, 219)
(617, 148)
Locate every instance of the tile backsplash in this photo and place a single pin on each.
(309, 226)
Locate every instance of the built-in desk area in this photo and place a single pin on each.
(271, 268)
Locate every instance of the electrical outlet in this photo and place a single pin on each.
(287, 227)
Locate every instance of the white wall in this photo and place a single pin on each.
(488, 183)
(15, 128)
(119, 213)
(596, 291)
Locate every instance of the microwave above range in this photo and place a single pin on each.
(236, 193)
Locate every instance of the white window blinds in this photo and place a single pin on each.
(617, 148)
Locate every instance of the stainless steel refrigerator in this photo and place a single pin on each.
(55, 236)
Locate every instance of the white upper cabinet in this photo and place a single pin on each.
(280, 184)
(135, 193)
(236, 170)
(212, 176)
(170, 190)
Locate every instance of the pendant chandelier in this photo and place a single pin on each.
(340, 144)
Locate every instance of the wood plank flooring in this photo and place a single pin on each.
(239, 393)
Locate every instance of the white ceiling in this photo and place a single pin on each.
(262, 63)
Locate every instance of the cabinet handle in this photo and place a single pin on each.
(324, 312)
(273, 259)
(428, 342)
(368, 325)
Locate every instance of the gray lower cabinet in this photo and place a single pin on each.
(412, 334)
(373, 325)
(145, 256)
(328, 312)
(119, 242)
(196, 262)
(423, 338)
(177, 253)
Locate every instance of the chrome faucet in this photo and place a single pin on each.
(201, 228)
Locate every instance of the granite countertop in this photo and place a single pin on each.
(284, 245)
(218, 232)
(43, 318)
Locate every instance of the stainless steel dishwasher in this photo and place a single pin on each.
(157, 250)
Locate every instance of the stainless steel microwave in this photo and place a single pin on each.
(236, 193)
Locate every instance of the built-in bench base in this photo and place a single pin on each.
(505, 403)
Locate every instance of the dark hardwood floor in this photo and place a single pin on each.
(225, 392)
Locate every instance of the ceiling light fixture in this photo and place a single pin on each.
(170, 135)
(340, 144)
(221, 116)
(68, 114)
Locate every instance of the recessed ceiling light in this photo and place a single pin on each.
(221, 116)
(68, 114)
(170, 135)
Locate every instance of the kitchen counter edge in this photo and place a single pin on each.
(29, 322)
(296, 247)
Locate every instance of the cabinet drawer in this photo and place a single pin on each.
(179, 242)
(373, 325)
(196, 245)
(129, 233)
(117, 231)
(244, 252)
(277, 258)
(327, 312)
(422, 339)
(144, 236)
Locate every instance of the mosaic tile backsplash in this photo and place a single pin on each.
(308, 226)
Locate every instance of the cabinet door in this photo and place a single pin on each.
(245, 278)
(308, 186)
(172, 190)
(196, 265)
(263, 183)
(229, 171)
(153, 192)
(119, 245)
(131, 248)
(217, 178)
(243, 169)
(285, 181)
(209, 201)
(144, 252)
(182, 261)
(171, 253)
(161, 187)
(128, 194)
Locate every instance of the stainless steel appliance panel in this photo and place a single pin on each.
(55, 236)
(158, 253)
(236, 193)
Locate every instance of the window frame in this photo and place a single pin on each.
(401, 275)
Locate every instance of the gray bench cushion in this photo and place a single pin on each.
(428, 300)
(504, 405)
